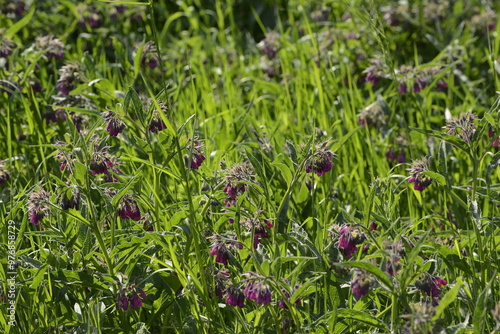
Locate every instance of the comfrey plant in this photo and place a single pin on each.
(462, 127)
(420, 181)
(38, 206)
(130, 297)
(321, 160)
(71, 74)
(237, 180)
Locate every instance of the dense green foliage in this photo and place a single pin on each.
(237, 166)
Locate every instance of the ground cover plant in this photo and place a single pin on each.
(249, 166)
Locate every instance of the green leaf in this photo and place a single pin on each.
(436, 176)
(293, 151)
(384, 279)
(133, 105)
(362, 317)
(481, 309)
(342, 140)
(495, 161)
(285, 171)
(20, 24)
(448, 298)
(457, 142)
(38, 278)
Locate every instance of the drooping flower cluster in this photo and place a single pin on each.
(431, 286)
(257, 289)
(52, 46)
(90, 16)
(420, 181)
(372, 116)
(130, 297)
(361, 283)
(114, 125)
(69, 198)
(462, 127)
(258, 226)
(70, 73)
(128, 208)
(235, 182)
(396, 152)
(287, 294)
(150, 55)
(38, 206)
(14, 8)
(350, 238)
(221, 248)
(101, 162)
(375, 72)
(234, 296)
(156, 123)
(6, 47)
(270, 45)
(321, 161)
(195, 158)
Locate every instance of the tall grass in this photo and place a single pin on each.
(249, 167)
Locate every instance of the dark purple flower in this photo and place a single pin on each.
(321, 161)
(128, 208)
(38, 206)
(196, 157)
(441, 85)
(350, 237)
(156, 123)
(374, 72)
(71, 201)
(270, 46)
(114, 126)
(419, 85)
(135, 302)
(257, 289)
(430, 285)
(122, 301)
(51, 45)
(6, 46)
(36, 217)
(64, 86)
(420, 181)
(234, 296)
(150, 55)
(90, 16)
(70, 73)
(361, 284)
(221, 253)
(403, 89)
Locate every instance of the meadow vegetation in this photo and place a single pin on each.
(258, 166)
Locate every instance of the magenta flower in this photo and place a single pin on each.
(234, 296)
(38, 206)
(150, 55)
(420, 181)
(114, 126)
(350, 237)
(196, 157)
(257, 289)
(122, 302)
(361, 284)
(321, 161)
(128, 208)
(431, 285)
